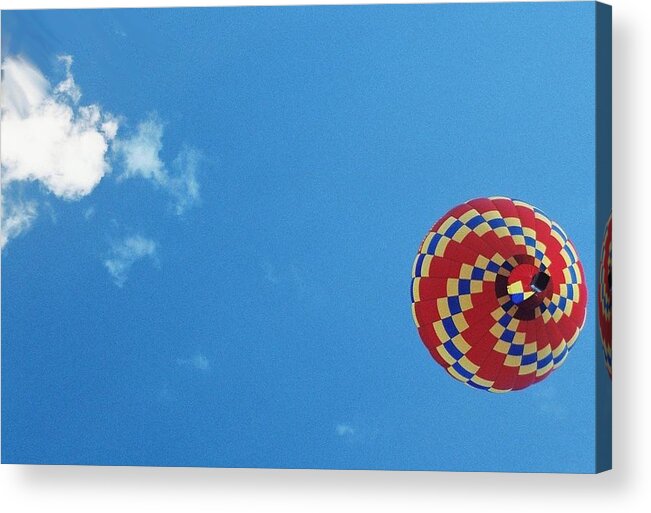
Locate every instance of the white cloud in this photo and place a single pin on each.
(50, 138)
(125, 253)
(198, 361)
(47, 137)
(344, 430)
(140, 155)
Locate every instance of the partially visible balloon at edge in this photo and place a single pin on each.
(605, 295)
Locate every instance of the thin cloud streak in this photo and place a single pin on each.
(198, 361)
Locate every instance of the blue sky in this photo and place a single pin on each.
(231, 286)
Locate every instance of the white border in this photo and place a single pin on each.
(628, 487)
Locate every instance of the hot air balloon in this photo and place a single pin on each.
(605, 295)
(498, 294)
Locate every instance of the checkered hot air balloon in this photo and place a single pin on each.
(605, 295)
(498, 294)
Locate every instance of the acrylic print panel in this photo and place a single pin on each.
(307, 237)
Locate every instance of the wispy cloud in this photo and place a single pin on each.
(141, 152)
(68, 87)
(197, 361)
(127, 252)
(290, 275)
(547, 400)
(140, 155)
(49, 138)
(344, 430)
(17, 217)
(89, 213)
(183, 183)
(269, 272)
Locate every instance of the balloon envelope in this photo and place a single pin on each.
(605, 296)
(498, 294)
